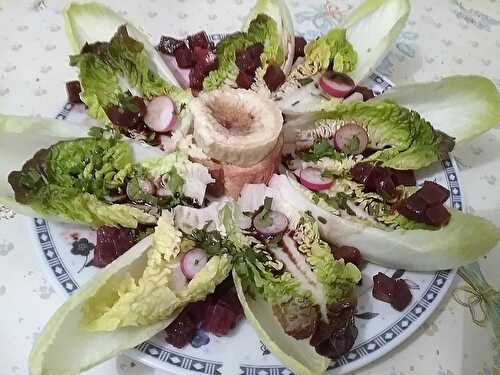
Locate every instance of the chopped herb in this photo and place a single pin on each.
(265, 218)
(338, 202)
(322, 220)
(305, 81)
(175, 181)
(322, 149)
(295, 103)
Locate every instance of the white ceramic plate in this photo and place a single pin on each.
(66, 251)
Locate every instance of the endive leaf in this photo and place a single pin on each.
(461, 106)
(463, 240)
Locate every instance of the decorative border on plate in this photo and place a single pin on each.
(213, 368)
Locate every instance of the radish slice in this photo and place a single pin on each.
(274, 222)
(351, 139)
(193, 262)
(160, 114)
(335, 84)
(312, 179)
(354, 97)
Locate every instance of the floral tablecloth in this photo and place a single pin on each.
(441, 38)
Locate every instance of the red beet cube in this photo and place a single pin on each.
(274, 77)
(361, 172)
(184, 57)
(403, 177)
(181, 331)
(349, 254)
(198, 40)
(433, 193)
(196, 78)
(169, 45)
(219, 320)
(73, 90)
(401, 296)
(111, 243)
(206, 60)
(300, 44)
(437, 215)
(198, 310)
(248, 60)
(244, 80)
(413, 208)
(377, 174)
(231, 301)
(383, 287)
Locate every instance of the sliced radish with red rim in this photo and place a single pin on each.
(351, 139)
(193, 262)
(312, 179)
(336, 84)
(160, 114)
(270, 222)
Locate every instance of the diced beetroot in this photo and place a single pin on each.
(361, 171)
(206, 60)
(248, 60)
(274, 77)
(412, 207)
(196, 78)
(380, 181)
(433, 193)
(169, 45)
(216, 189)
(184, 57)
(199, 309)
(365, 91)
(401, 296)
(181, 331)
(128, 116)
(437, 215)
(403, 177)
(383, 287)
(219, 320)
(349, 254)
(199, 39)
(231, 301)
(111, 243)
(244, 80)
(73, 90)
(300, 43)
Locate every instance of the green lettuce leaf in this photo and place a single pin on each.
(330, 49)
(372, 30)
(404, 139)
(337, 278)
(461, 106)
(463, 240)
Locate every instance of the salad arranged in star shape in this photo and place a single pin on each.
(254, 177)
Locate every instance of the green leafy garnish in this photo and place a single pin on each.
(352, 146)
(322, 149)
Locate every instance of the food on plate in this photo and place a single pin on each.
(354, 47)
(138, 295)
(63, 173)
(295, 293)
(350, 216)
(240, 134)
(219, 314)
(123, 80)
(391, 290)
(258, 57)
